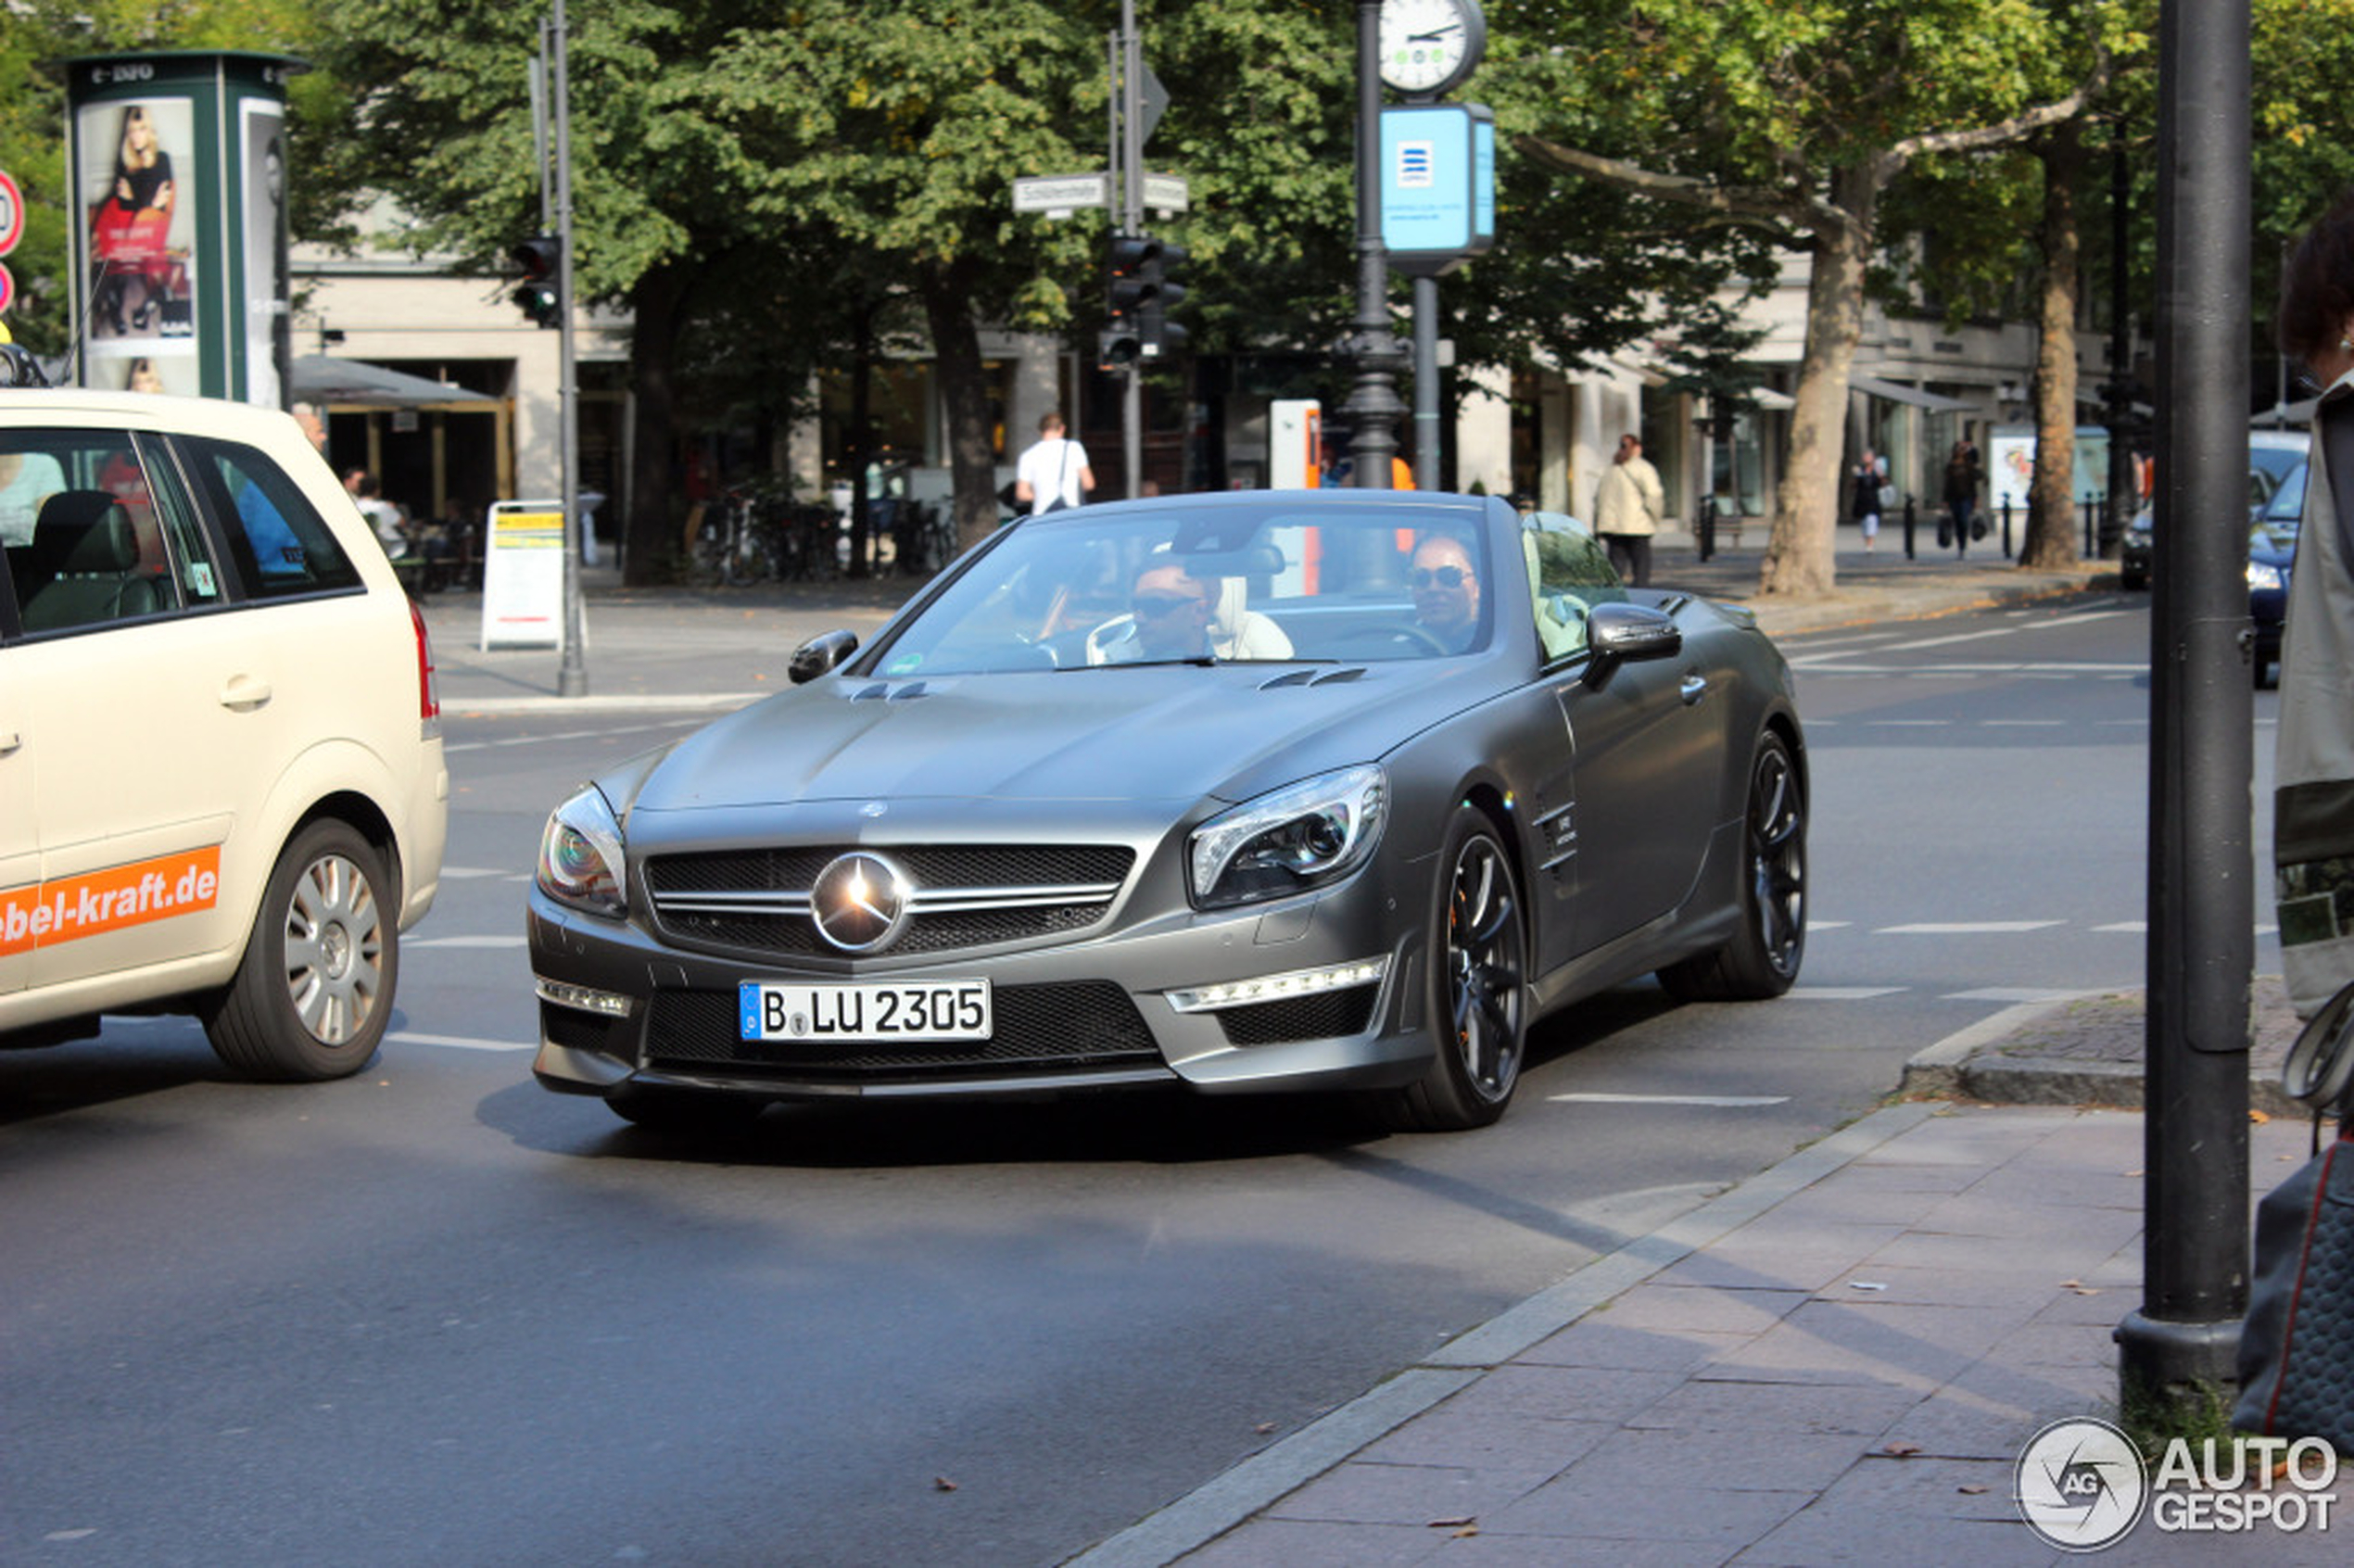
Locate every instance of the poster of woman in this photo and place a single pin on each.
(141, 215)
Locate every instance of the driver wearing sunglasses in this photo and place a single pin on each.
(1445, 591)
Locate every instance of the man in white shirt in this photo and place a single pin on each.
(1052, 474)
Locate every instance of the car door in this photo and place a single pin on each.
(19, 843)
(141, 769)
(1631, 785)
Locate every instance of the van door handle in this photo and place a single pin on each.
(245, 691)
(1692, 688)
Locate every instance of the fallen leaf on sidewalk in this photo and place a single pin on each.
(1901, 1449)
(1264, 1427)
(942, 1483)
(2258, 1117)
(2080, 1288)
(1456, 1523)
(1972, 1488)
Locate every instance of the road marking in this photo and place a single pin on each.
(458, 873)
(1840, 992)
(2129, 927)
(1735, 1102)
(1968, 927)
(457, 1041)
(2021, 993)
(516, 940)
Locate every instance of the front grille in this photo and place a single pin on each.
(1039, 1029)
(1326, 1016)
(967, 895)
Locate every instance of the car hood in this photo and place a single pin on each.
(1176, 733)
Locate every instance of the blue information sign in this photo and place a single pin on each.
(1438, 185)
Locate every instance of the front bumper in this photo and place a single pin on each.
(1092, 1012)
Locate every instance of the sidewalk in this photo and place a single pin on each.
(720, 648)
(1837, 1361)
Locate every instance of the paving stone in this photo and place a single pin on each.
(1604, 1394)
(1605, 1342)
(1702, 1308)
(1656, 1506)
(1854, 1411)
(1298, 1544)
(1490, 1438)
(1363, 1493)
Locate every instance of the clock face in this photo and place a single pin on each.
(1428, 46)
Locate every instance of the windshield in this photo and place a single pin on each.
(2287, 505)
(1225, 581)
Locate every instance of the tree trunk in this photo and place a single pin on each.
(2051, 506)
(651, 545)
(1799, 551)
(955, 346)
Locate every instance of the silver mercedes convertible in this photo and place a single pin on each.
(1266, 791)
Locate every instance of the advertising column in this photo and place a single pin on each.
(176, 164)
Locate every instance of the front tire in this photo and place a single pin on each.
(314, 993)
(1478, 999)
(1762, 958)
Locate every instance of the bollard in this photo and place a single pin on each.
(1910, 521)
(2006, 527)
(2092, 514)
(1707, 526)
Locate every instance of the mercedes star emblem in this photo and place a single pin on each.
(860, 901)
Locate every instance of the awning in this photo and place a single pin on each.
(1896, 392)
(322, 378)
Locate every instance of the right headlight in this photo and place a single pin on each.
(1289, 839)
(582, 862)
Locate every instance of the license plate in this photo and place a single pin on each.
(865, 1010)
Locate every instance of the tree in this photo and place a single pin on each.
(1794, 121)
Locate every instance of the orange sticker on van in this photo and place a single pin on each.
(72, 907)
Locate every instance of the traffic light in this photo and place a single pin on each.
(1141, 292)
(1161, 260)
(1120, 342)
(538, 296)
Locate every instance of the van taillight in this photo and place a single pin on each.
(428, 690)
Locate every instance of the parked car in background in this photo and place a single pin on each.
(2272, 455)
(1285, 791)
(222, 786)
(2271, 558)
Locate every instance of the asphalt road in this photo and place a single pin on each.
(436, 1314)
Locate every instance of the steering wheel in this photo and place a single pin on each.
(1412, 632)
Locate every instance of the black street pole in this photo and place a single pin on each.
(572, 673)
(2202, 919)
(1373, 406)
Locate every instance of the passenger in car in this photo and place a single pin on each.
(1445, 591)
(26, 480)
(1173, 614)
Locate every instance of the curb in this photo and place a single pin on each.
(1229, 1499)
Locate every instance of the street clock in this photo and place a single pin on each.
(1428, 46)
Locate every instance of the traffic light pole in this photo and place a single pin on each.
(1129, 158)
(572, 679)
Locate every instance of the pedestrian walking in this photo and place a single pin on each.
(1963, 473)
(2313, 767)
(1053, 472)
(1868, 478)
(1628, 505)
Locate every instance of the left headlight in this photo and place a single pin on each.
(2263, 574)
(582, 862)
(1294, 838)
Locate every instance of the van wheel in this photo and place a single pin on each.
(313, 993)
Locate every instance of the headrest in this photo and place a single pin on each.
(84, 531)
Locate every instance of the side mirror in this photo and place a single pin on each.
(819, 655)
(1619, 633)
